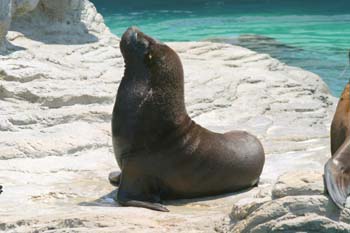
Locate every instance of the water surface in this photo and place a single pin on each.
(314, 35)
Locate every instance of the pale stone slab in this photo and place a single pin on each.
(58, 80)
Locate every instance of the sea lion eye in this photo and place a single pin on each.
(148, 58)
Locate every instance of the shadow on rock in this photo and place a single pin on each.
(108, 199)
(104, 201)
(180, 202)
(10, 48)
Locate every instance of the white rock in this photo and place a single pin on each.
(298, 205)
(20, 7)
(60, 9)
(58, 82)
(5, 19)
(299, 183)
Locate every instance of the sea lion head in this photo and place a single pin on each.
(147, 58)
(155, 70)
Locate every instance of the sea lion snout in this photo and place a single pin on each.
(135, 43)
(134, 37)
(131, 35)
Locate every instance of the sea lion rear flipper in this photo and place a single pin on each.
(144, 204)
(337, 183)
(114, 178)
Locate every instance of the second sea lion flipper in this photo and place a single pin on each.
(337, 183)
(114, 178)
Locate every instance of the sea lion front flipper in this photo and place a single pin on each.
(136, 190)
(337, 183)
(114, 178)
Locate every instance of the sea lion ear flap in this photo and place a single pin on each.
(337, 183)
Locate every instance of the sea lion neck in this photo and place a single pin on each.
(151, 93)
(155, 73)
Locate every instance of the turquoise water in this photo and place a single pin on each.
(314, 35)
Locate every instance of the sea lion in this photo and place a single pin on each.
(0, 189)
(162, 153)
(337, 169)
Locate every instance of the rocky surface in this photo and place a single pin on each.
(59, 74)
(21, 7)
(5, 20)
(297, 204)
(52, 22)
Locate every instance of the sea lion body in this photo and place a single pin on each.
(340, 128)
(337, 169)
(162, 153)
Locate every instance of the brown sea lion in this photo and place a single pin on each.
(337, 169)
(162, 153)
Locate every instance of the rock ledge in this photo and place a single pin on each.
(59, 72)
